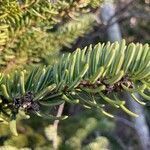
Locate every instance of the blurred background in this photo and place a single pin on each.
(84, 130)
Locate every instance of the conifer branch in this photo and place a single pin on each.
(92, 77)
(23, 21)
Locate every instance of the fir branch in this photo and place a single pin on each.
(92, 77)
(21, 15)
(21, 22)
(25, 51)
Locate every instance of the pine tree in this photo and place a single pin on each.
(33, 32)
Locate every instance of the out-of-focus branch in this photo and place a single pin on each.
(125, 121)
(121, 15)
(56, 122)
(120, 11)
